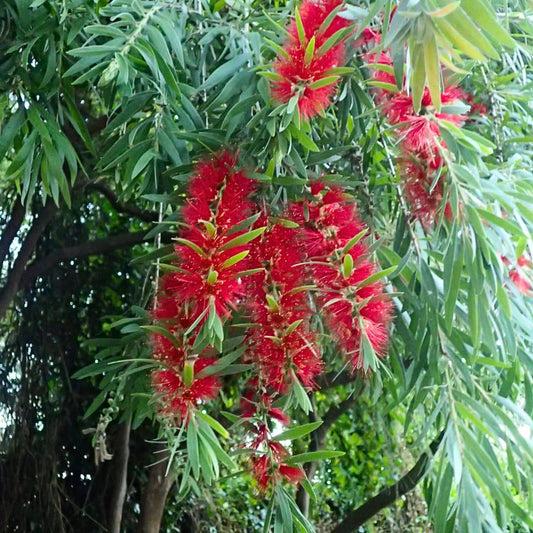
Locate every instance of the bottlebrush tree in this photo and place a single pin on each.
(333, 203)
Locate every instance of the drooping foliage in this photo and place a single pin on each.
(324, 209)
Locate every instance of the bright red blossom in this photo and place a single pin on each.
(296, 74)
(175, 398)
(421, 161)
(276, 306)
(350, 310)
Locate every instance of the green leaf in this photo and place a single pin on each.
(309, 51)
(300, 28)
(225, 71)
(324, 82)
(483, 15)
(9, 131)
(310, 457)
(234, 259)
(193, 456)
(191, 245)
(242, 239)
(432, 65)
(142, 163)
(217, 426)
(297, 432)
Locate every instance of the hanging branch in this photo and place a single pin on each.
(389, 495)
(94, 247)
(318, 441)
(127, 209)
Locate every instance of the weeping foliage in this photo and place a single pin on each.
(126, 97)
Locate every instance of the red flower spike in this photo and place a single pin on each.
(175, 398)
(331, 224)
(218, 200)
(207, 275)
(283, 348)
(305, 64)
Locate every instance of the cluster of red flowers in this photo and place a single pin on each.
(283, 348)
(305, 68)
(339, 264)
(517, 276)
(268, 462)
(204, 280)
(277, 274)
(422, 166)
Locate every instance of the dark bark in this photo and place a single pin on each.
(389, 495)
(118, 477)
(11, 229)
(335, 379)
(155, 495)
(127, 209)
(95, 247)
(14, 277)
(318, 441)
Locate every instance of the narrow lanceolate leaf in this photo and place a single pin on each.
(309, 457)
(217, 426)
(242, 239)
(353, 241)
(293, 326)
(464, 25)
(377, 276)
(323, 82)
(297, 432)
(191, 245)
(309, 51)
(451, 35)
(432, 64)
(418, 73)
(336, 38)
(483, 15)
(192, 448)
(234, 259)
(443, 11)
(225, 71)
(300, 27)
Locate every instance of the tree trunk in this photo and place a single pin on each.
(11, 229)
(155, 495)
(118, 477)
(11, 287)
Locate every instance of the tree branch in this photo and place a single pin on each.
(335, 379)
(318, 441)
(7, 293)
(11, 229)
(118, 477)
(127, 209)
(389, 495)
(94, 247)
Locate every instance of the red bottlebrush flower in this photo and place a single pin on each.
(292, 474)
(349, 307)
(423, 188)
(218, 201)
(252, 402)
(282, 347)
(520, 282)
(175, 398)
(268, 463)
(297, 73)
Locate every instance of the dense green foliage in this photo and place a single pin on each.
(104, 108)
